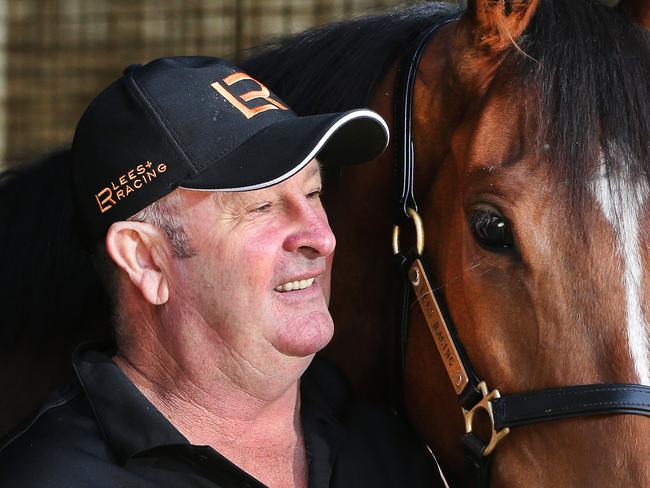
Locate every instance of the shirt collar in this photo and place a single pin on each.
(131, 424)
(323, 432)
(128, 421)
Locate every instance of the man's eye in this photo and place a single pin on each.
(314, 194)
(262, 208)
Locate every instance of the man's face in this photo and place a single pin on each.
(261, 268)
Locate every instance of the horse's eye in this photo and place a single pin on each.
(491, 229)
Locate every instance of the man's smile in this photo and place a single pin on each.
(295, 285)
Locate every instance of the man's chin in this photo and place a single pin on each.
(306, 335)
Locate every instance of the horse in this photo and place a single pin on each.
(530, 123)
(530, 134)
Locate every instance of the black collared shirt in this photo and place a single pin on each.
(102, 432)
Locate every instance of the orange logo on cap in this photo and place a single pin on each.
(237, 101)
(131, 181)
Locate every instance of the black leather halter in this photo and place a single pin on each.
(506, 411)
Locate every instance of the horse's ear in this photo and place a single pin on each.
(497, 24)
(486, 30)
(639, 10)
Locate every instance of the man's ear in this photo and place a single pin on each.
(138, 249)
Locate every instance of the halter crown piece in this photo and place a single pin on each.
(504, 411)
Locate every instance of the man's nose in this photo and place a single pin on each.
(313, 235)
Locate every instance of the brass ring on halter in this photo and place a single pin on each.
(485, 404)
(419, 232)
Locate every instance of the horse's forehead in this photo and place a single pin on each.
(495, 134)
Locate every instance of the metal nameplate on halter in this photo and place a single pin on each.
(438, 327)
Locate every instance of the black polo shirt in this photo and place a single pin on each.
(102, 432)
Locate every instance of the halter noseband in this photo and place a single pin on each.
(505, 411)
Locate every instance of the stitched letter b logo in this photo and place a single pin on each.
(239, 101)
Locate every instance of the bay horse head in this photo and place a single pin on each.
(530, 129)
(537, 205)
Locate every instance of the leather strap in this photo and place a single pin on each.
(404, 195)
(558, 403)
(401, 335)
(404, 152)
(477, 472)
(444, 333)
(478, 465)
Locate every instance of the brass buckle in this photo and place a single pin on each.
(485, 404)
(419, 232)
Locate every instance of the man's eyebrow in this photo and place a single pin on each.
(316, 169)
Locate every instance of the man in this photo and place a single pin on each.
(200, 191)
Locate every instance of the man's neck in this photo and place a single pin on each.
(257, 428)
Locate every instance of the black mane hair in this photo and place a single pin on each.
(590, 64)
(335, 67)
(585, 64)
(49, 291)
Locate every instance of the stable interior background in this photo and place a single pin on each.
(55, 55)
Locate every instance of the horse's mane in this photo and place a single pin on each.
(588, 64)
(335, 67)
(49, 290)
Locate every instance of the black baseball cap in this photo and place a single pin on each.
(200, 123)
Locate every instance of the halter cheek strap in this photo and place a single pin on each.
(505, 412)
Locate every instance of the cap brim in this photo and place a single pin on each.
(282, 149)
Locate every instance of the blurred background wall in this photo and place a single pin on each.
(55, 55)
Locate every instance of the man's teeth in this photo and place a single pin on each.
(295, 285)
